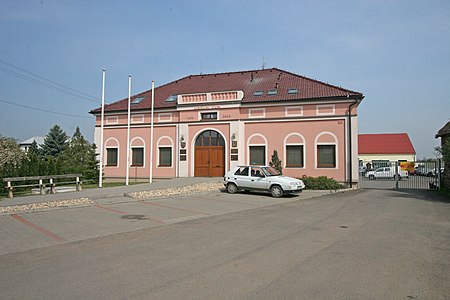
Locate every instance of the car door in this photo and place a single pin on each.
(380, 173)
(241, 177)
(258, 180)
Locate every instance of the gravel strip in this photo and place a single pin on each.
(194, 188)
(44, 205)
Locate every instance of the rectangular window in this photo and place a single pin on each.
(137, 157)
(294, 156)
(209, 116)
(258, 155)
(111, 157)
(326, 156)
(242, 171)
(165, 156)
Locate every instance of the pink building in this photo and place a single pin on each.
(206, 124)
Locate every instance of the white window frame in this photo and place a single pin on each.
(328, 106)
(105, 154)
(287, 114)
(165, 115)
(112, 120)
(336, 154)
(266, 145)
(167, 145)
(303, 143)
(135, 119)
(253, 110)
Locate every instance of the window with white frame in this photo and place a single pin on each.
(137, 157)
(326, 156)
(208, 116)
(111, 157)
(257, 155)
(165, 156)
(294, 156)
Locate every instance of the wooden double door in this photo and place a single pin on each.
(209, 158)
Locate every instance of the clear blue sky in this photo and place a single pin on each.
(395, 52)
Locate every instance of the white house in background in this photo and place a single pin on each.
(25, 145)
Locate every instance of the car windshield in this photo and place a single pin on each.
(269, 171)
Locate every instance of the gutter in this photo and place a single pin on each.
(350, 164)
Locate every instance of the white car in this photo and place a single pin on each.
(261, 178)
(386, 172)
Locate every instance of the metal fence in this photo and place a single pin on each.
(396, 175)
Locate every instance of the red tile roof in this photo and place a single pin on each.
(387, 143)
(246, 81)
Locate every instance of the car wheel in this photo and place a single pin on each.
(276, 191)
(232, 188)
(371, 177)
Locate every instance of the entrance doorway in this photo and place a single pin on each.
(209, 156)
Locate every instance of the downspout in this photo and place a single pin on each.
(349, 117)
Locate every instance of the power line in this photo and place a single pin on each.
(46, 79)
(46, 83)
(43, 110)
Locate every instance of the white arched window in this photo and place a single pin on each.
(112, 153)
(257, 149)
(137, 145)
(326, 150)
(294, 154)
(165, 152)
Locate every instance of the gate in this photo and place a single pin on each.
(401, 175)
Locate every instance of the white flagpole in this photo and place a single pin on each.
(128, 130)
(151, 133)
(100, 181)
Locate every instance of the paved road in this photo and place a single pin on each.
(370, 244)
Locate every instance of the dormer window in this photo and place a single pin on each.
(137, 100)
(171, 98)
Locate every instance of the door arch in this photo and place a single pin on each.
(209, 159)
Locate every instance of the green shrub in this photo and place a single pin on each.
(321, 183)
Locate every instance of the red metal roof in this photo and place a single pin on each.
(385, 143)
(246, 81)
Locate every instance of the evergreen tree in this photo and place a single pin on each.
(34, 149)
(276, 162)
(55, 142)
(80, 157)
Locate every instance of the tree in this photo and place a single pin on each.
(80, 157)
(11, 157)
(55, 142)
(276, 162)
(444, 151)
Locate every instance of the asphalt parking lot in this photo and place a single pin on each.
(364, 244)
(117, 213)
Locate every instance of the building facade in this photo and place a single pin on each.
(380, 149)
(206, 124)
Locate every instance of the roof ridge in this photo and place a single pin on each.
(231, 72)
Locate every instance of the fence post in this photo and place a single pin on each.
(79, 189)
(52, 187)
(396, 176)
(41, 187)
(10, 190)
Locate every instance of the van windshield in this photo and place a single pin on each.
(269, 171)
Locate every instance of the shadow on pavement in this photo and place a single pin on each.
(426, 195)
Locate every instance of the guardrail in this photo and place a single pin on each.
(40, 182)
